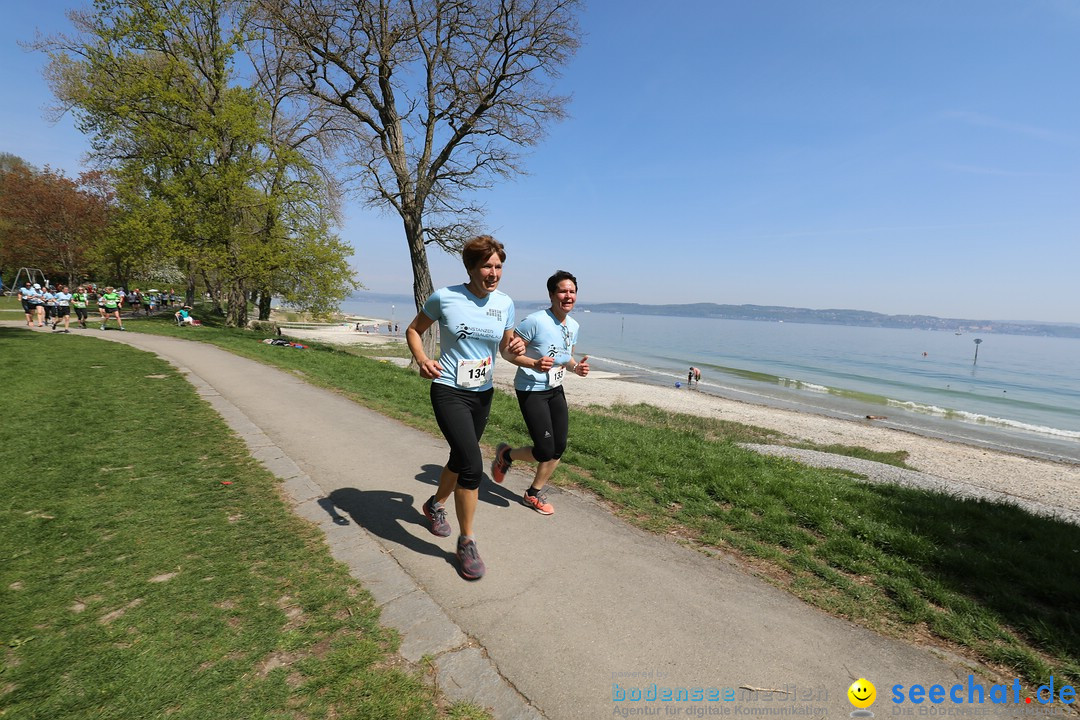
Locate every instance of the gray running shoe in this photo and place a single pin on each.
(437, 516)
(472, 567)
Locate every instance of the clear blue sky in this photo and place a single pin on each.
(910, 156)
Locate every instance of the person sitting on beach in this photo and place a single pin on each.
(550, 336)
(183, 316)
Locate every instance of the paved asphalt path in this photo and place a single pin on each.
(577, 610)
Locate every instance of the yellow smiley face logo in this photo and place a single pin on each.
(862, 693)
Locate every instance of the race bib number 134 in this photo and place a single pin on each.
(473, 373)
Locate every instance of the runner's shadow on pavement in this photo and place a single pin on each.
(328, 505)
(490, 492)
(387, 514)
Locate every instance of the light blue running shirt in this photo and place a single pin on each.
(544, 335)
(470, 330)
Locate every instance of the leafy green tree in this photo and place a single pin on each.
(140, 238)
(154, 84)
(301, 194)
(8, 162)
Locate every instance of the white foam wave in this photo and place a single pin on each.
(913, 407)
(632, 366)
(803, 385)
(680, 377)
(980, 419)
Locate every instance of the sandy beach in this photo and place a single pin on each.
(345, 333)
(1046, 483)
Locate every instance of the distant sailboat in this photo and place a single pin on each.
(958, 332)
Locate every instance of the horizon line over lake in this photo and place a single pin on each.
(775, 313)
(1022, 396)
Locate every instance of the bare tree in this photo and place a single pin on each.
(301, 138)
(440, 98)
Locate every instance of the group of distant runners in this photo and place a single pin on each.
(53, 304)
(476, 320)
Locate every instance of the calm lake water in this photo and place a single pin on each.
(1023, 394)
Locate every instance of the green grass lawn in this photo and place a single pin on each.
(11, 308)
(988, 579)
(150, 568)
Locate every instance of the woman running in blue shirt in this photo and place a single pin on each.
(475, 321)
(62, 312)
(550, 336)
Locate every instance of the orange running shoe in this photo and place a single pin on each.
(501, 464)
(538, 502)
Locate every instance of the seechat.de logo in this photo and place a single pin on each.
(975, 693)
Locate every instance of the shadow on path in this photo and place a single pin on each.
(490, 492)
(386, 514)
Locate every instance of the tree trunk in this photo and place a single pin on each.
(422, 287)
(264, 304)
(189, 293)
(120, 281)
(237, 304)
(214, 291)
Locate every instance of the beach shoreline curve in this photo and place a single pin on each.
(1040, 482)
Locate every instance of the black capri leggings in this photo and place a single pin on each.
(462, 416)
(548, 421)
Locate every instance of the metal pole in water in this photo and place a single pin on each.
(978, 341)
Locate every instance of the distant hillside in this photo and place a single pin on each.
(861, 318)
(775, 313)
